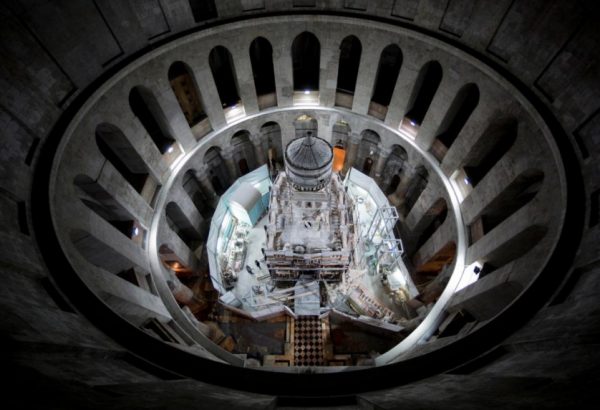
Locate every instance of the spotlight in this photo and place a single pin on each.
(136, 231)
(306, 92)
(467, 181)
(413, 123)
(170, 149)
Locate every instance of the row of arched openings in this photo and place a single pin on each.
(306, 71)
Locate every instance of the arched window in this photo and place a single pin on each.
(102, 203)
(217, 170)
(394, 169)
(203, 10)
(368, 151)
(416, 186)
(196, 193)
(146, 108)
(493, 144)
(306, 54)
(117, 149)
(350, 51)
(427, 83)
(186, 91)
(261, 58)
(459, 112)
(243, 151)
(271, 132)
(180, 224)
(223, 71)
(388, 70)
(515, 196)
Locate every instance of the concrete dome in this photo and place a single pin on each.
(308, 162)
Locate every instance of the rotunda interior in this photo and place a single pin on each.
(278, 204)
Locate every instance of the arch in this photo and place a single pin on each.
(99, 253)
(460, 110)
(494, 143)
(306, 55)
(394, 168)
(117, 149)
(368, 150)
(304, 124)
(415, 188)
(192, 187)
(350, 52)
(243, 151)
(203, 10)
(512, 198)
(104, 204)
(371, 137)
(186, 91)
(180, 224)
(388, 69)
(271, 133)
(223, 71)
(261, 59)
(424, 90)
(240, 137)
(145, 107)
(217, 170)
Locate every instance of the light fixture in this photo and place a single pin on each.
(467, 181)
(170, 149)
(306, 92)
(413, 123)
(136, 231)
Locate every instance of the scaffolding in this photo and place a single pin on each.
(379, 239)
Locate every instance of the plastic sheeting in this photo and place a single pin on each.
(368, 184)
(245, 204)
(222, 222)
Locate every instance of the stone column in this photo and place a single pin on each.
(397, 197)
(179, 127)
(207, 186)
(402, 92)
(367, 71)
(382, 157)
(282, 67)
(444, 96)
(245, 77)
(351, 151)
(259, 151)
(232, 167)
(208, 90)
(330, 57)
